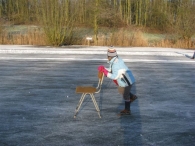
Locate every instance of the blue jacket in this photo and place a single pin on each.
(120, 72)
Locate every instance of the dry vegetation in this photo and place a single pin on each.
(30, 38)
(118, 38)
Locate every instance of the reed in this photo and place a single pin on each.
(119, 38)
(186, 44)
(29, 38)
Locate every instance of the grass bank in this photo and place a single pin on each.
(134, 37)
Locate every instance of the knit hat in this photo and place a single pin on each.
(111, 52)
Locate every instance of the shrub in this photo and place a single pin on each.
(56, 23)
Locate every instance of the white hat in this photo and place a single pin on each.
(111, 52)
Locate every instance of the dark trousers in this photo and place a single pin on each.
(126, 92)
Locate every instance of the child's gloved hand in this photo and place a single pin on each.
(101, 68)
(105, 72)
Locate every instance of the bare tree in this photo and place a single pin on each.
(185, 21)
(56, 22)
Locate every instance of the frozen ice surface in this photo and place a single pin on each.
(38, 99)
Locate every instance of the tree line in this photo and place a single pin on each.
(59, 17)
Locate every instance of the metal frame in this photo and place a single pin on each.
(98, 89)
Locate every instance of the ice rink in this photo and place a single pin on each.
(38, 99)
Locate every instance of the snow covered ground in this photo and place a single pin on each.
(94, 50)
(38, 99)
